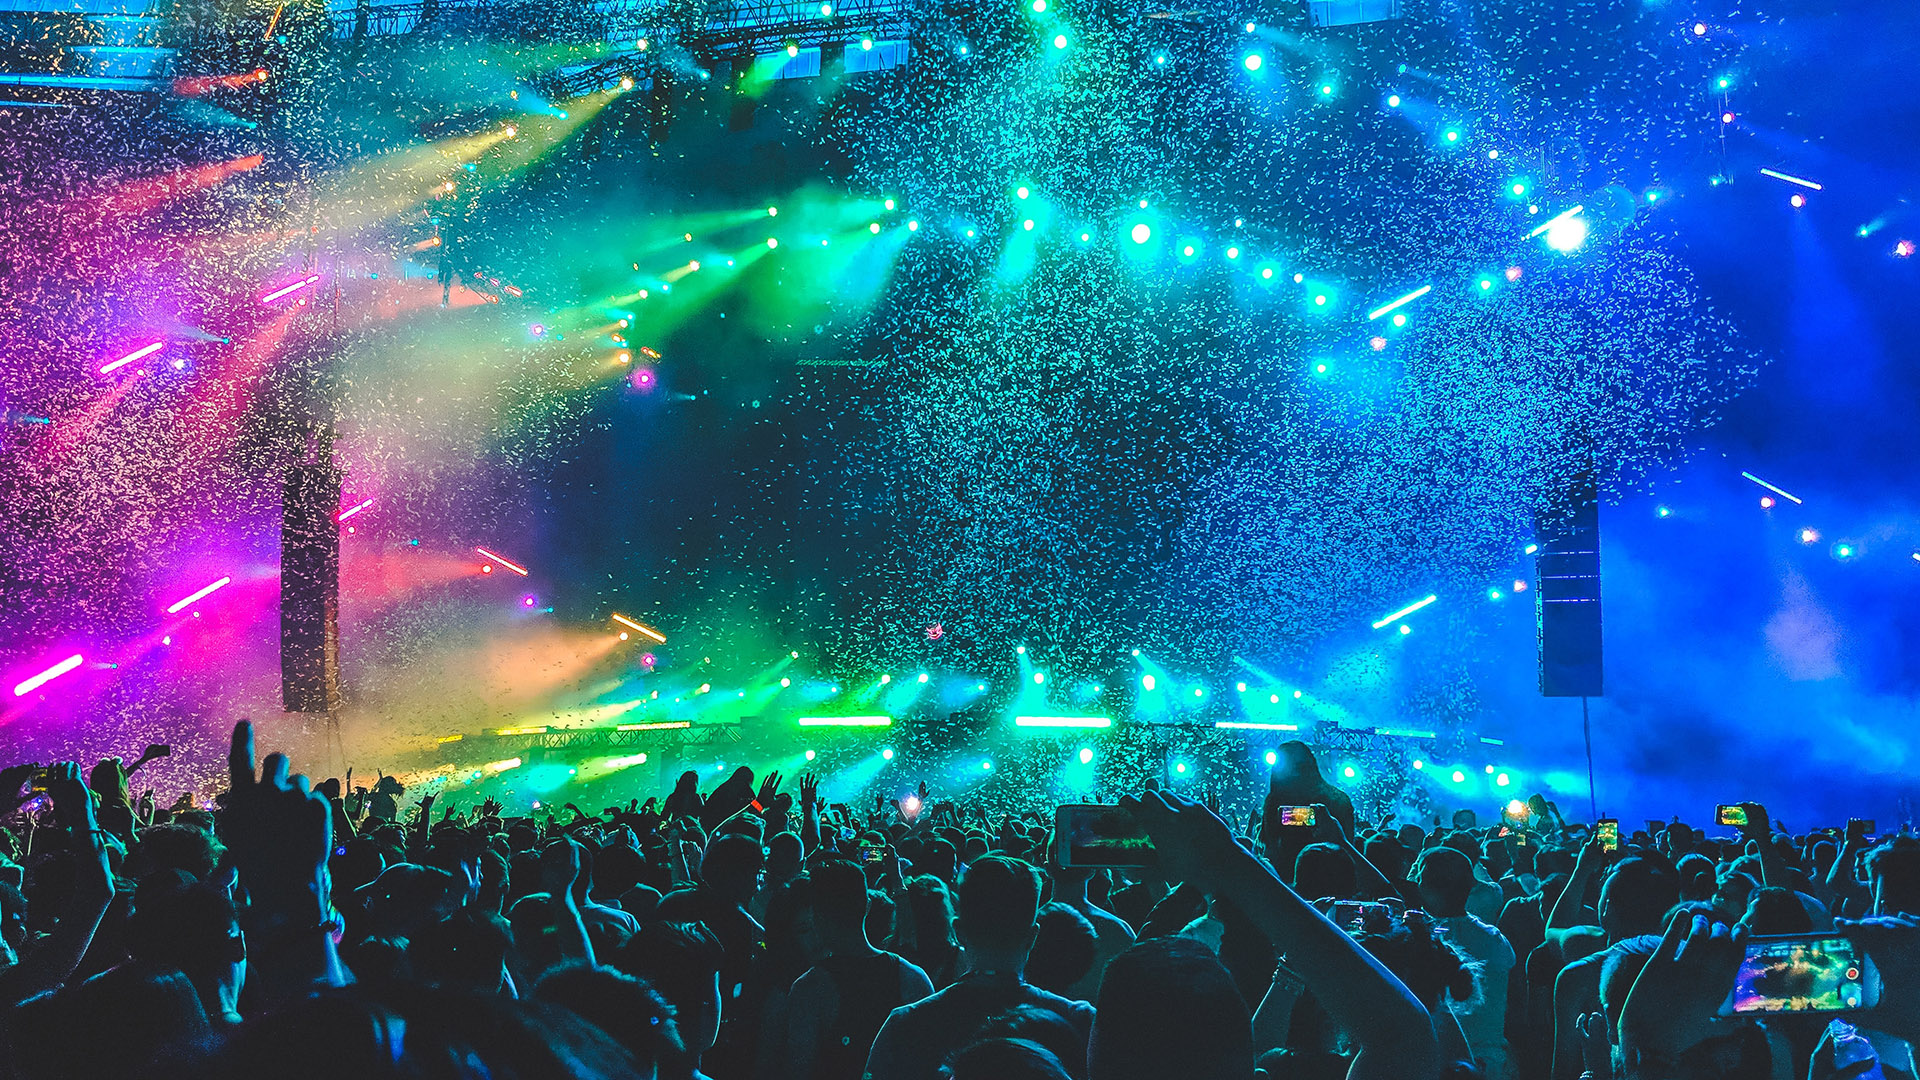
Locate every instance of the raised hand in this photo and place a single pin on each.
(1189, 839)
(279, 834)
(809, 790)
(1892, 942)
(769, 787)
(560, 866)
(1680, 989)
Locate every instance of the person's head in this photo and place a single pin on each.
(622, 1006)
(1445, 879)
(1617, 972)
(1388, 854)
(928, 920)
(1636, 897)
(1893, 874)
(1043, 1027)
(998, 900)
(1064, 947)
(176, 847)
(1322, 870)
(406, 897)
(682, 961)
(1773, 910)
(1696, 874)
(839, 901)
(467, 951)
(1168, 1009)
(793, 935)
(190, 925)
(940, 858)
(1296, 763)
(1004, 1059)
(112, 1024)
(783, 856)
(732, 867)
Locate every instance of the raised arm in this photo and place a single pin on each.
(54, 960)
(1394, 1034)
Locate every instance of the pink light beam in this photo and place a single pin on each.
(132, 356)
(345, 514)
(47, 676)
(181, 605)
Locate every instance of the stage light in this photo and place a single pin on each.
(656, 635)
(1253, 725)
(1020, 650)
(1903, 249)
(1519, 586)
(1141, 233)
(1063, 721)
(1320, 368)
(1027, 225)
(1485, 283)
(1240, 686)
(1135, 652)
(1021, 193)
(1039, 678)
(1418, 764)
(1393, 101)
(1459, 777)
(1726, 118)
(1513, 273)
(923, 676)
(1180, 767)
(296, 286)
(793, 50)
(132, 356)
(1699, 29)
(1199, 691)
(1405, 629)
(1059, 41)
(641, 44)
(886, 753)
(885, 679)
(1808, 536)
(866, 44)
(1843, 551)
(1495, 594)
(785, 682)
(1453, 135)
(811, 755)
(1272, 758)
(1399, 320)
(846, 721)
(1797, 200)
(1662, 511)
(1502, 780)
(502, 765)
(1326, 89)
(521, 731)
(1566, 234)
(1267, 273)
(1233, 253)
(1791, 179)
(664, 725)
(1405, 611)
(508, 563)
(1391, 304)
(1086, 755)
(1348, 772)
(1273, 699)
(177, 605)
(1187, 251)
(349, 512)
(1320, 300)
(1039, 6)
(1146, 682)
(986, 766)
(28, 686)
(1253, 61)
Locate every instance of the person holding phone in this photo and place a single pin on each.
(1445, 879)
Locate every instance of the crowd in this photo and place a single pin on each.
(756, 933)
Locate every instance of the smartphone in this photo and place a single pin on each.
(1816, 973)
(1520, 839)
(1296, 815)
(1730, 814)
(872, 853)
(1346, 912)
(1096, 835)
(1607, 831)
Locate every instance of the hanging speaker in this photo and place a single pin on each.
(310, 589)
(1566, 593)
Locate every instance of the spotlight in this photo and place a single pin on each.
(1663, 511)
(1393, 101)
(923, 676)
(1021, 193)
(1253, 61)
(1843, 551)
(885, 679)
(1459, 777)
(1568, 233)
(1039, 677)
(1348, 772)
(986, 766)
(866, 44)
(784, 682)
(1180, 767)
(1273, 758)
(1808, 536)
(1418, 764)
(1146, 682)
(1489, 770)
(874, 228)
(1242, 687)
(1059, 41)
(1503, 780)
(1766, 502)
(811, 755)
(1141, 233)
(1086, 755)
(1699, 29)
(1797, 200)
(886, 753)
